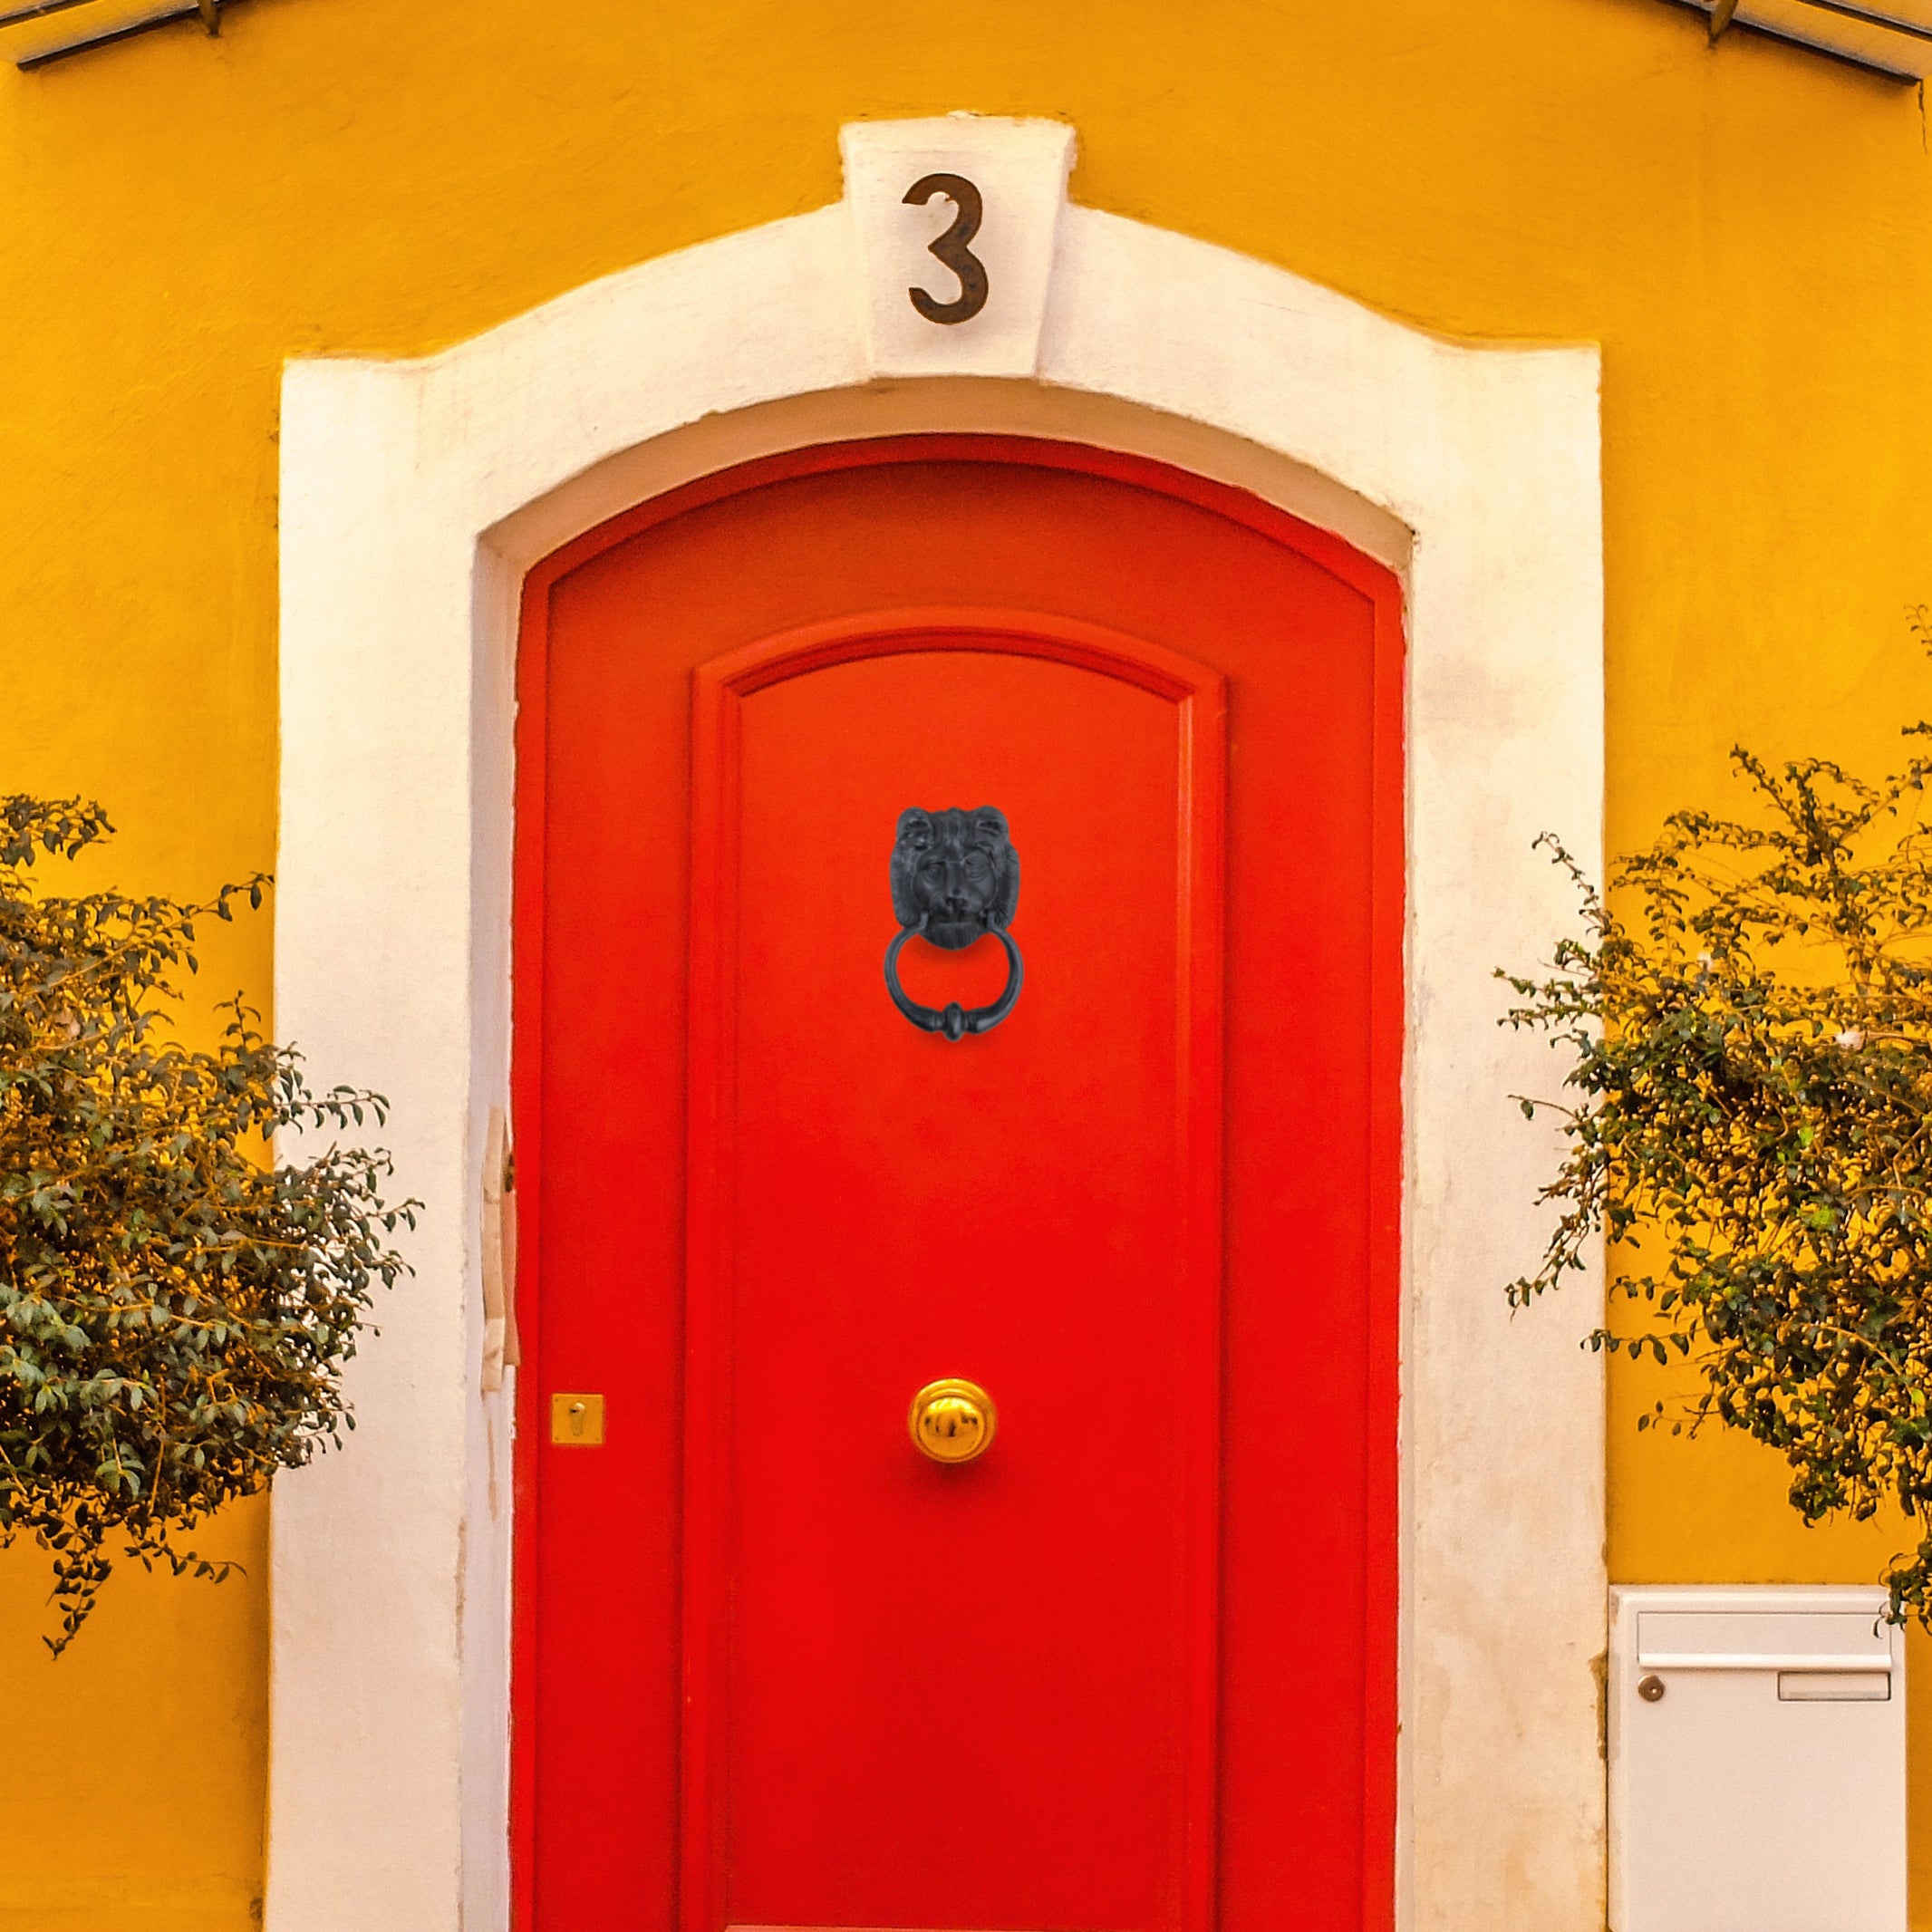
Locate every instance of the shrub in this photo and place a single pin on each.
(176, 1305)
(1752, 1093)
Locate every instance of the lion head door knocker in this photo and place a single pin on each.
(955, 879)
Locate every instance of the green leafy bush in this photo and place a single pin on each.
(175, 1307)
(1752, 1089)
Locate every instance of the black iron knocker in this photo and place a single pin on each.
(955, 879)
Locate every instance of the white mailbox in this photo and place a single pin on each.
(1757, 1762)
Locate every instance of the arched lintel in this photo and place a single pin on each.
(910, 406)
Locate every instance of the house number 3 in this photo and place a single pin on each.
(951, 247)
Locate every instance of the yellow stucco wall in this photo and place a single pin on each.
(1743, 229)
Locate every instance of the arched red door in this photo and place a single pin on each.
(1111, 759)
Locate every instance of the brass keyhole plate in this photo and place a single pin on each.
(577, 1420)
(951, 1420)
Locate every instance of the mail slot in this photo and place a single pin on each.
(1757, 1762)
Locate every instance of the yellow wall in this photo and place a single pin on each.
(1743, 229)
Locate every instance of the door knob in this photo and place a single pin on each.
(953, 1420)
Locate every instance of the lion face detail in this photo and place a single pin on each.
(954, 874)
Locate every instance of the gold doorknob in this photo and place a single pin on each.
(953, 1420)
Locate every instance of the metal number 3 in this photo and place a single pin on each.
(951, 247)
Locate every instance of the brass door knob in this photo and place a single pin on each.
(951, 1421)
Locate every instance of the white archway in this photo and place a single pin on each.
(414, 496)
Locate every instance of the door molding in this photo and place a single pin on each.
(414, 497)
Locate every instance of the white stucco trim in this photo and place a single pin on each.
(414, 496)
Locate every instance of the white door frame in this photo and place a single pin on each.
(415, 495)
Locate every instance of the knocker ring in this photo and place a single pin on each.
(953, 1019)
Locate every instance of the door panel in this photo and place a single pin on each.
(979, 1694)
(1134, 1667)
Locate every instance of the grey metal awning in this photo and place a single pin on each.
(53, 29)
(1889, 36)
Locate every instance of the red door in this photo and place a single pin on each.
(1112, 757)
